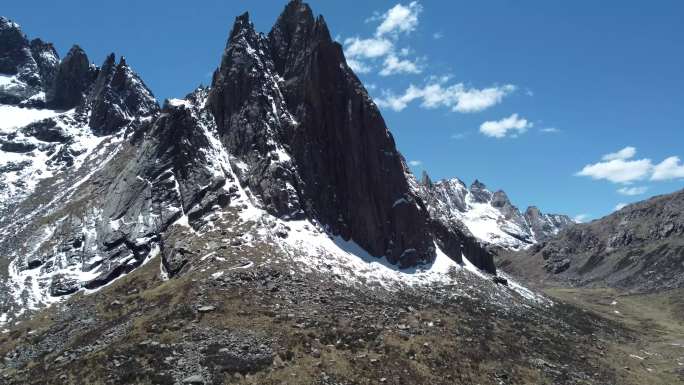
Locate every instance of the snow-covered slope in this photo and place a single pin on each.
(488, 216)
(36, 144)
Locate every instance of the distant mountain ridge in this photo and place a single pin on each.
(489, 216)
(639, 247)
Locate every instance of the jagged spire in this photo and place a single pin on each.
(117, 95)
(73, 78)
(292, 33)
(425, 179)
(477, 185)
(242, 23)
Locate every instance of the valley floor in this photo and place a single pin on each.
(657, 354)
(246, 322)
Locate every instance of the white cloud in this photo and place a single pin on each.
(474, 100)
(379, 51)
(581, 218)
(456, 97)
(459, 136)
(620, 206)
(357, 48)
(632, 191)
(394, 65)
(625, 153)
(550, 130)
(437, 35)
(501, 128)
(415, 163)
(618, 168)
(669, 169)
(359, 66)
(400, 18)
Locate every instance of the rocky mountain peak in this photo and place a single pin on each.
(12, 47)
(533, 211)
(14, 52)
(118, 95)
(500, 199)
(23, 79)
(47, 59)
(425, 180)
(477, 185)
(295, 32)
(490, 217)
(311, 141)
(479, 192)
(241, 26)
(72, 80)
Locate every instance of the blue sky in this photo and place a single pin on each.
(566, 105)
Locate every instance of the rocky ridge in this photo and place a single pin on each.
(489, 216)
(636, 248)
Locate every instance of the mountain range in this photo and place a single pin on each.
(637, 248)
(265, 229)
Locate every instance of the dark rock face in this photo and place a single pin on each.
(342, 139)
(72, 80)
(117, 97)
(502, 203)
(307, 106)
(545, 226)
(172, 175)
(47, 130)
(640, 247)
(253, 120)
(479, 192)
(47, 60)
(17, 62)
(14, 52)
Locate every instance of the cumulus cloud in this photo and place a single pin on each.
(670, 168)
(625, 153)
(415, 163)
(400, 18)
(620, 206)
(359, 66)
(632, 191)
(394, 65)
(618, 170)
(357, 48)
(620, 167)
(510, 126)
(456, 97)
(381, 49)
(550, 130)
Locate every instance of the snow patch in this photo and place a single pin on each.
(12, 117)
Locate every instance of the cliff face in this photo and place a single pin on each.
(313, 142)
